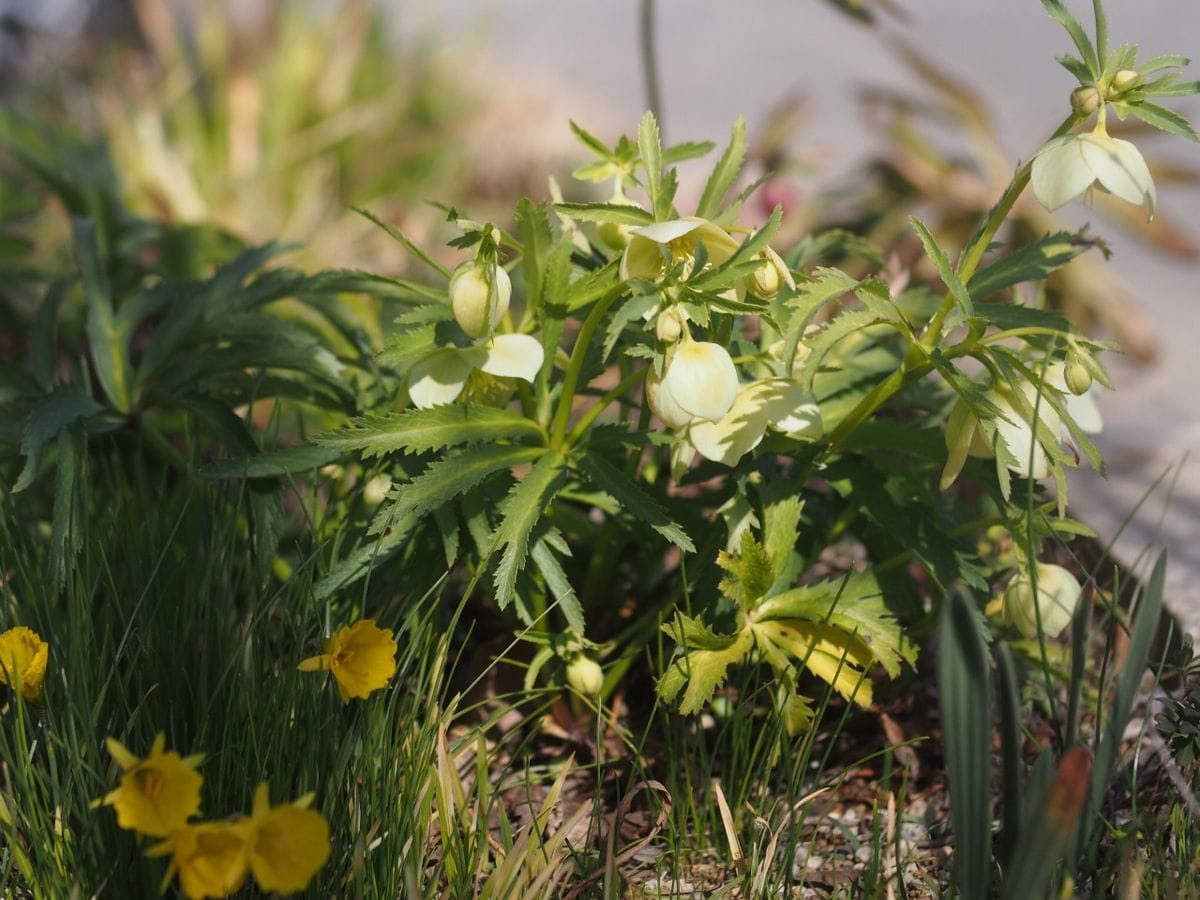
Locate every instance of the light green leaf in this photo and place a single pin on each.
(650, 147)
(704, 663)
(749, 573)
(620, 213)
(520, 512)
(1033, 262)
(942, 262)
(723, 176)
(405, 242)
(420, 430)
(1162, 118)
(1082, 43)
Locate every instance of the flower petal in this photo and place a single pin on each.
(513, 356)
(702, 380)
(1119, 168)
(438, 378)
(665, 232)
(1060, 173)
(663, 405)
(736, 434)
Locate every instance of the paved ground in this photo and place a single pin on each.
(722, 59)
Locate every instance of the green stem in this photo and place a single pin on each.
(575, 366)
(650, 62)
(585, 421)
(968, 263)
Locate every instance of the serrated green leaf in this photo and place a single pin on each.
(520, 512)
(446, 478)
(592, 287)
(942, 263)
(1083, 44)
(628, 312)
(742, 262)
(725, 173)
(590, 141)
(362, 561)
(620, 213)
(650, 148)
(703, 663)
(846, 324)
(108, 343)
(632, 499)
(686, 150)
(781, 528)
(536, 240)
(854, 604)
(1076, 67)
(748, 573)
(1033, 262)
(1162, 118)
(421, 430)
(66, 405)
(1163, 61)
(271, 464)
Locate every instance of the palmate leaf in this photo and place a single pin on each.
(446, 478)
(853, 604)
(836, 656)
(632, 499)
(703, 662)
(421, 430)
(520, 512)
(748, 573)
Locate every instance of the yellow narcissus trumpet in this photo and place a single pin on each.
(1067, 166)
(1057, 594)
(361, 657)
(209, 857)
(23, 659)
(479, 297)
(158, 794)
(287, 843)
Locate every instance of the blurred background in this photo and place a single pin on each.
(269, 119)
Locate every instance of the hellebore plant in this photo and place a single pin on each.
(652, 377)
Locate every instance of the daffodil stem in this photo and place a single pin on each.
(967, 265)
(622, 388)
(562, 414)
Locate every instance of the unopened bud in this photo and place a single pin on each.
(668, 326)
(1122, 82)
(585, 676)
(1078, 378)
(769, 277)
(1085, 99)
(1057, 593)
(477, 305)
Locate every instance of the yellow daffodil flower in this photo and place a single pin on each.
(158, 794)
(1057, 594)
(211, 858)
(23, 658)
(1067, 166)
(441, 376)
(361, 657)
(287, 844)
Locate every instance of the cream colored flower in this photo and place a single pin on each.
(479, 297)
(1057, 594)
(441, 376)
(1069, 165)
(700, 383)
(650, 247)
(770, 403)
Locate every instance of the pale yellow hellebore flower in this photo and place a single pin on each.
(441, 376)
(1067, 166)
(649, 247)
(1057, 594)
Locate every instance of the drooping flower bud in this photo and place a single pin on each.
(769, 277)
(1077, 378)
(668, 326)
(1085, 99)
(585, 676)
(701, 380)
(1057, 594)
(479, 297)
(1122, 82)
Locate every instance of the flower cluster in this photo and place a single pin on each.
(23, 658)
(281, 846)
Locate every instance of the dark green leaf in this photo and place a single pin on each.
(108, 344)
(632, 499)
(520, 512)
(419, 430)
(942, 262)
